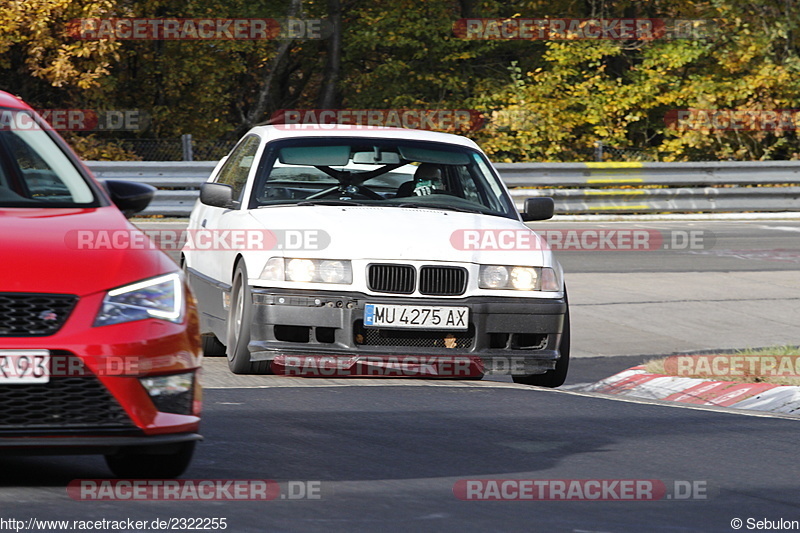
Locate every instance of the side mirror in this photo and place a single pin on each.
(217, 195)
(129, 196)
(541, 208)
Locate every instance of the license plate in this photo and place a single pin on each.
(24, 366)
(416, 316)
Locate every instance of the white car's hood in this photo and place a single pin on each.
(401, 234)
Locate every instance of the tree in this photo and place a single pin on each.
(543, 99)
(37, 50)
(622, 92)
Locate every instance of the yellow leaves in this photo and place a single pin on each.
(38, 28)
(90, 148)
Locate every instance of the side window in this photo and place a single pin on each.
(467, 184)
(236, 169)
(40, 180)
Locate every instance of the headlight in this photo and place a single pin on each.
(160, 297)
(308, 270)
(300, 270)
(494, 277)
(171, 394)
(273, 270)
(520, 278)
(524, 278)
(334, 271)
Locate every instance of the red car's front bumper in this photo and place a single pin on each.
(94, 400)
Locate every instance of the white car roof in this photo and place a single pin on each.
(272, 133)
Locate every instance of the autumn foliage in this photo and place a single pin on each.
(540, 99)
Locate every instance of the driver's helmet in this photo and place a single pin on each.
(428, 176)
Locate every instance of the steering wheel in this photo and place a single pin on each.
(359, 190)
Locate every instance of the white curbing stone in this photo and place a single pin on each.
(782, 399)
(661, 387)
(612, 380)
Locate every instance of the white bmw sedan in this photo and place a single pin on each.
(366, 251)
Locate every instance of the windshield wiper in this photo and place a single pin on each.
(328, 202)
(441, 206)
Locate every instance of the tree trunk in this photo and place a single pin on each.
(254, 114)
(329, 96)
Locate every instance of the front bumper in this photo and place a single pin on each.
(508, 335)
(78, 445)
(94, 390)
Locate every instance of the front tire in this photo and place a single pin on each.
(211, 346)
(240, 317)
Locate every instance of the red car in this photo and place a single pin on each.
(99, 334)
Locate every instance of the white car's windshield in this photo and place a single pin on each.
(34, 171)
(379, 171)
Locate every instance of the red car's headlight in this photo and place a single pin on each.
(162, 297)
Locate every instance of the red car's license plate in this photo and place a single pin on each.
(24, 366)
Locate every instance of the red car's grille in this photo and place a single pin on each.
(33, 315)
(65, 402)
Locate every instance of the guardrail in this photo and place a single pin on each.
(178, 182)
(578, 188)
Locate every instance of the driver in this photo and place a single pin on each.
(428, 178)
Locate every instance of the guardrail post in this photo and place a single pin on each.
(598, 151)
(186, 143)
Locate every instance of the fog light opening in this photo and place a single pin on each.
(171, 394)
(325, 335)
(528, 341)
(292, 333)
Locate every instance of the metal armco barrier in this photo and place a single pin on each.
(578, 188)
(178, 182)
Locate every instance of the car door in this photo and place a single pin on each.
(212, 256)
